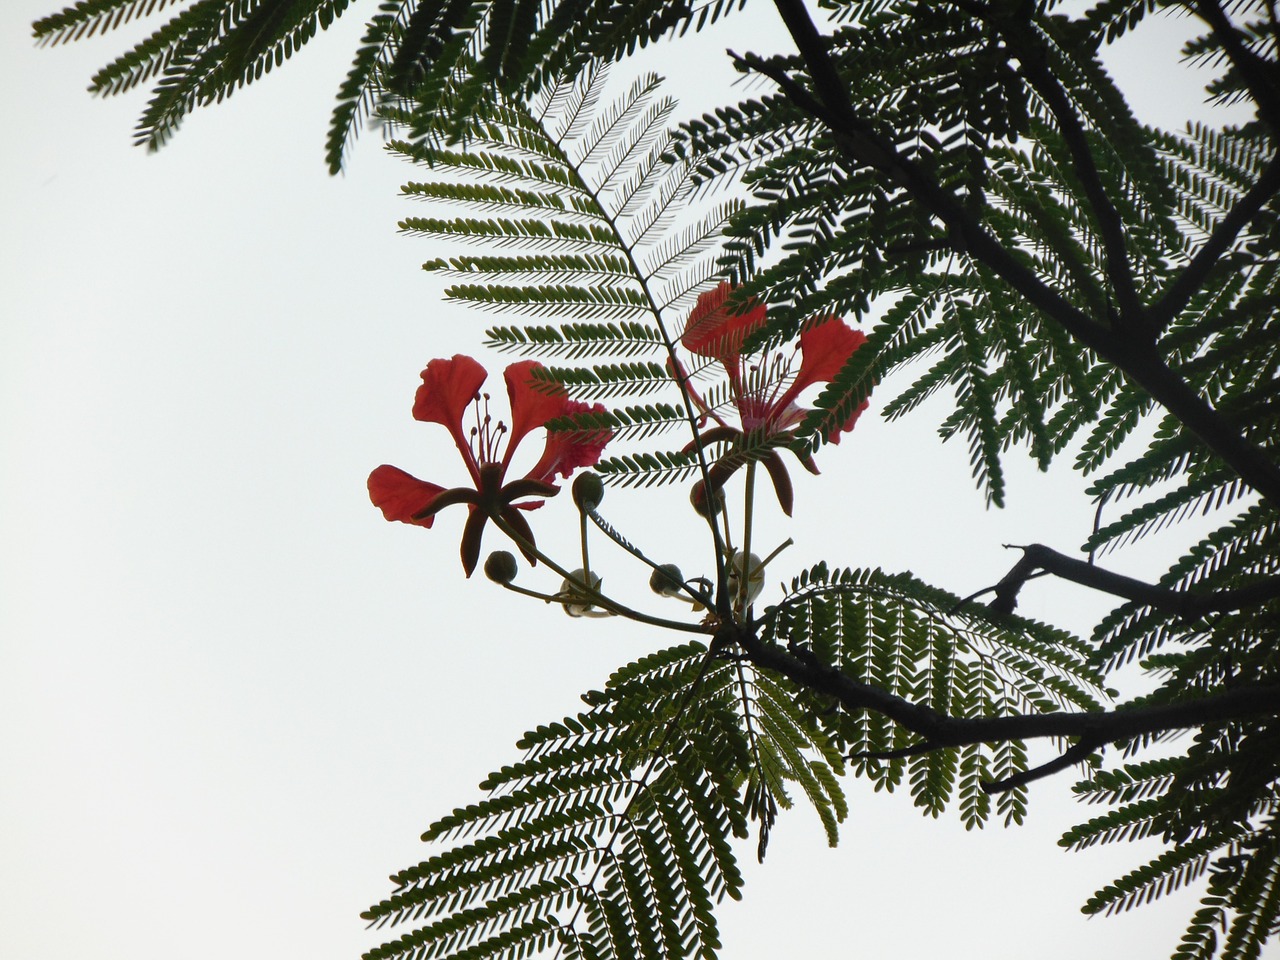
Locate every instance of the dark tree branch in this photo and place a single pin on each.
(915, 750)
(1186, 284)
(1078, 753)
(1036, 557)
(1254, 465)
(1138, 360)
(939, 730)
(1258, 75)
(1028, 46)
(967, 234)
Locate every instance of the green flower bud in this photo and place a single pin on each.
(667, 580)
(698, 497)
(755, 579)
(501, 567)
(588, 490)
(574, 600)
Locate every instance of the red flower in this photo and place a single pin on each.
(764, 388)
(448, 388)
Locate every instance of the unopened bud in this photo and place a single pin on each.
(755, 579)
(501, 567)
(574, 599)
(698, 497)
(588, 490)
(667, 580)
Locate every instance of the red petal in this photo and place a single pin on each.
(448, 388)
(567, 450)
(400, 496)
(833, 435)
(714, 330)
(824, 348)
(533, 402)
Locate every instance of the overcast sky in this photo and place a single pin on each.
(232, 696)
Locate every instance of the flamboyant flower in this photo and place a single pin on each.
(763, 388)
(449, 388)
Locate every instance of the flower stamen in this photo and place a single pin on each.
(486, 438)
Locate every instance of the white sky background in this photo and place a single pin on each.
(232, 696)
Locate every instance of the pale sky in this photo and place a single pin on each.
(232, 696)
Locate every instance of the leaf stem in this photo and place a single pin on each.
(744, 587)
(667, 342)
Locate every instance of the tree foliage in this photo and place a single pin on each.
(965, 180)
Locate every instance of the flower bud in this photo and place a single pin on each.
(698, 497)
(573, 598)
(755, 580)
(588, 490)
(501, 567)
(667, 580)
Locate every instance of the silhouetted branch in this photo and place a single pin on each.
(1037, 559)
(829, 102)
(938, 730)
(1078, 753)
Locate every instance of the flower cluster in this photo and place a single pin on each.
(763, 387)
(451, 387)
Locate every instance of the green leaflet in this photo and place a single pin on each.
(410, 48)
(612, 835)
(915, 641)
(595, 231)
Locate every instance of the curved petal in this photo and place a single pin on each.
(833, 435)
(781, 481)
(400, 495)
(714, 435)
(447, 499)
(714, 330)
(567, 450)
(448, 388)
(719, 474)
(527, 487)
(533, 402)
(824, 348)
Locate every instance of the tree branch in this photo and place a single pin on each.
(939, 730)
(1187, 284)
(1137, 359)
(1029, 49)
(1253, 69)
(864, 145)
(1077, 753)
(1037, 557)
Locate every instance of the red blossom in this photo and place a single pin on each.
(718, 329)
(764, 387)
(449, 388)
